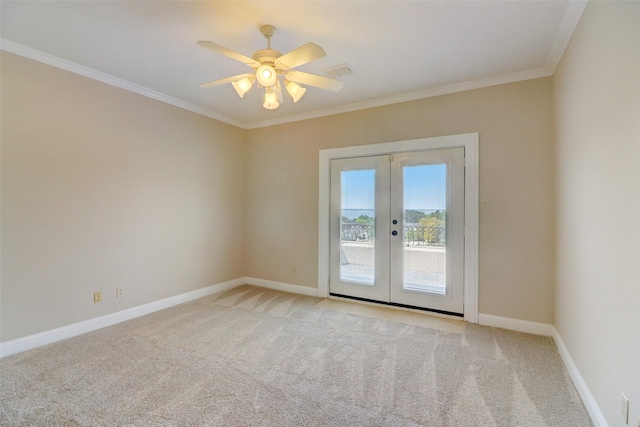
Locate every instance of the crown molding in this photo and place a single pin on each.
(570, 19)
(45, 58)
(411, 96)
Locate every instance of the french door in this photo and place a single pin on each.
(397, 229)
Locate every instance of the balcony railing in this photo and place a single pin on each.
(414, 234)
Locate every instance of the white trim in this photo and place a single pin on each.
(284, 287)
(587, 397)
(570, 20)
(519, 325)
(472, 227)
(47, 337)
(471, 143)
(410, 96)
(549, 330)
(45, 58)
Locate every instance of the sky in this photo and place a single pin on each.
(425, 188)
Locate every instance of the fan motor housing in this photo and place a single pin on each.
(267, 57)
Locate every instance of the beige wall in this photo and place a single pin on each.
(103, 188)
(115, 189)
(516, 174)
(597, 109)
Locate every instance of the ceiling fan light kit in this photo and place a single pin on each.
(242, 86)
(270, 100)
(295, 90)
(271, 66)
(266, 75)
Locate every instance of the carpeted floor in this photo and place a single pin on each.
(256, 357)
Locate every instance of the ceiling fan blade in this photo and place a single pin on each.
(227, 80)
(315, 80)
(305, 53)
(229, 53)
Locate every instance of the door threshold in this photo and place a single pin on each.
(440, 313)
(407, 316)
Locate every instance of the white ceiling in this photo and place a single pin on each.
(398, 50)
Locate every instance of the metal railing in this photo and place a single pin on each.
(414, 234)
(361, 233)
(424, 235)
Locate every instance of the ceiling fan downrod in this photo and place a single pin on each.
(268, 31)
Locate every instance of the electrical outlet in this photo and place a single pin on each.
(624, 409)
(119, 292)
(97, 297)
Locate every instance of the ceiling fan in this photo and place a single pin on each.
(272, 69)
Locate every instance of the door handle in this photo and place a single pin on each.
(394, 232)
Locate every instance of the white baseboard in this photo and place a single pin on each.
(587, 398)
(279, 286)
(43, 338)
(37, 340)
(516, 324)
(47, 337)
(549, 330)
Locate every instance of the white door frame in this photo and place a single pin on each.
(470, 142)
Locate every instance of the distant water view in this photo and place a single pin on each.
(355, 213)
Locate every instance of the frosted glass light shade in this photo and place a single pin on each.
(266, 75)
(270, 101)
(243, 85)
(296, 91)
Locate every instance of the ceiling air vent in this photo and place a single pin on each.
(338, 70)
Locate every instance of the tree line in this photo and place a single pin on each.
(411, 216)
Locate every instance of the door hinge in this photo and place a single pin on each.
(390, 158)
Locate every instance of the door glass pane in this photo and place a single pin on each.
(357, 226)
(424, 249)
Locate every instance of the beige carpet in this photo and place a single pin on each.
(255, 357)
